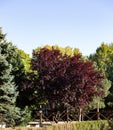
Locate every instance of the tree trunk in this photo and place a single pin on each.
(98, 113)
(80, 114)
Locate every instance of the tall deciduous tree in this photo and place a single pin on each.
(65, 80)
(104, 59)
(22, 77)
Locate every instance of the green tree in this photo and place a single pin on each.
(25, 80)
(8, 110)
(12, 75)
(20, 62)
(103, 59)
(26, 60)
(100, 101)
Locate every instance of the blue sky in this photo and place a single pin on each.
(82, 24)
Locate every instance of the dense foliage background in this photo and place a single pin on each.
(54, 78)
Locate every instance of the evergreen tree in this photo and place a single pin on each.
(9, 113)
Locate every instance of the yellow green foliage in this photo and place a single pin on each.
(65, 51)
(25, 60)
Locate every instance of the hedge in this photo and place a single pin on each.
(84, 125)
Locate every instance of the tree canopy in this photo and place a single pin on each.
(54, 76)
(104, 61)
(12, 71)
(65, 80)
(8, 110)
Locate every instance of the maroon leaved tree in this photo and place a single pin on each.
(85, 82)
(64, 80)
